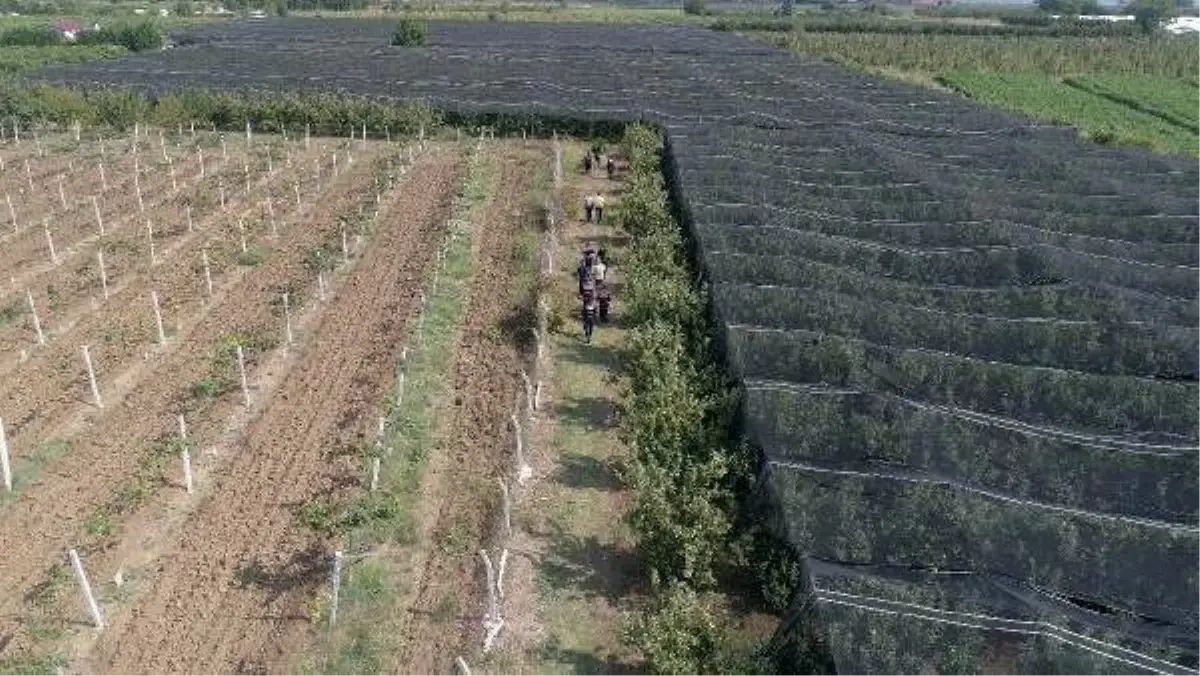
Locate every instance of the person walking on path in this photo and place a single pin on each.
(589, 207)
(598, 206)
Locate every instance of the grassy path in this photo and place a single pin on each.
(581, 571)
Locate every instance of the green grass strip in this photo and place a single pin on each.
(367, 631)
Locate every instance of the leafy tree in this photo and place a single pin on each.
(695, 7)
(1070, 7)
(1152, 14)
(410, 33)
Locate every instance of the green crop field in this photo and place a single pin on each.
(17, 59)
(1103, 120)
(1172, 99)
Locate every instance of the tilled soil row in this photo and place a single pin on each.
(49, 515)
(40, 394)
(230, 595)
(73, 229)
(460, 494)
(76, 163)
(126, 254)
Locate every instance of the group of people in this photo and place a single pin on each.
(592, 159)
(593, 207)
(593, 291)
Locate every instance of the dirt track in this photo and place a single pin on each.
(230, 596)
(459, 493)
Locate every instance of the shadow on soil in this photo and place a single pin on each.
(588, 412)
(575, 350)
(584, 662)
(591, 567)
(305, 568)
(582, 471)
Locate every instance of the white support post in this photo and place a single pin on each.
(374, 474)
(246, 176)
(137, 182)
(86, 589)
(62, 193)
(224, 150)
(537, 396)
(337, 586)
(507, 507)
(242, 230)
(524, 471)
(29, 176)
(37, 323)
(335, 165)
(287, 319)
(185, 455)
(91, 372)
(321, 286)
(345, 248)
(248, 134)
(158, 322)
(207, 272)
(307, 134)
(12, 213)
(99, 218)
(103, 274)
(5, 467)
(528, 392)
(221, 191)
(50, 241)
(241, 357)
(500, 573)
(171, 169)
(103, 179)
(200, 159)
(189, 218)
(150, 242)
(296, 189)
(462, 666)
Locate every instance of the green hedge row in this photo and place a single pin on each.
(332, 113)
(699, 527)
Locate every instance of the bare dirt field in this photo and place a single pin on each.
(269, 219)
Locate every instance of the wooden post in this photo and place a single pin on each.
(337, 586)
(241, 357)
(86, 589)
(507, 507)
(150, 241)
(5, 467)
(158, 322)
(287, 318)
(103, 275)
(207, 272)
(87, 360)
(185, 455)
(50, 241)
(137, 186)
(99, 218)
